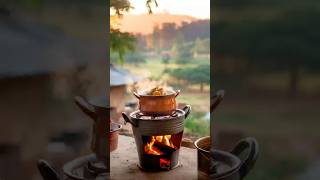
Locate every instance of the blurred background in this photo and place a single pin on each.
(50, 51)
(162, 42)
(266, 57)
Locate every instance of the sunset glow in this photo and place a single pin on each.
(199, 9)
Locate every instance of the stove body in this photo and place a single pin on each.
(158, 138)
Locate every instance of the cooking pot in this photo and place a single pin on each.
(234, 165)
(157, 105)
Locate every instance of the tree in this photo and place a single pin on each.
(165, 58)
(167, 34)
(135, 58)
(182, 50)
(195, 75)
(122, 42)
(200, 75)
(201, 46)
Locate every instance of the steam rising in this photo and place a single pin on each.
(144, 87)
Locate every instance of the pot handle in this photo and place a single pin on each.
(177, 93)
(86, 107)
(128, 120)
(247, 150)
(187, 110)
(216, 100)
(47, 171)
(136, 94)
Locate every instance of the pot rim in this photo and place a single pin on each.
(164, 119)
(197, 141)
(236, 161)
(168, 94)
(232, 170)
(158, 96)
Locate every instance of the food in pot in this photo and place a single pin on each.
(157, 91)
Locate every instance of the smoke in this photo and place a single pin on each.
(147, 85)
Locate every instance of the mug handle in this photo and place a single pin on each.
(247, 150)
(128, 120)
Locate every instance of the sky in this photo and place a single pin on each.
(196, 8)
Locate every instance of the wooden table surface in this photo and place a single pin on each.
(124, 160)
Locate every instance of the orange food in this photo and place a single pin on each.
(157, 91)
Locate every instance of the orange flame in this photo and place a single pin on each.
(149, 148)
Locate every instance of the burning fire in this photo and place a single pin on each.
(149, 148)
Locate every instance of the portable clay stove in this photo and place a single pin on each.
(158, 138)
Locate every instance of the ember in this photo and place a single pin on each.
(165, 163)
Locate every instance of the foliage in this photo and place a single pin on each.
(114, 58)
(196, 125)
(182, 50)
(195, 75)
(202, 46)
(120, 6)
(165, 36)
(196, 29)
(135, 58)
(165, 58)
(120, 42)
(123, 42)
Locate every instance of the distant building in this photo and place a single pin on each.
(119, 79)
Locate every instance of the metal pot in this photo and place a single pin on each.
(226, 166)
(157, 105)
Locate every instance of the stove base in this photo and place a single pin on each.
(163, 169)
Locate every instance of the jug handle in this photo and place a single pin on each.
(187, 110)
(136, 94)
(177, 93)
(128, 120)
(216, 100)
(86, 107)
(247, 150)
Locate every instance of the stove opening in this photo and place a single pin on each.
(161, 151)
